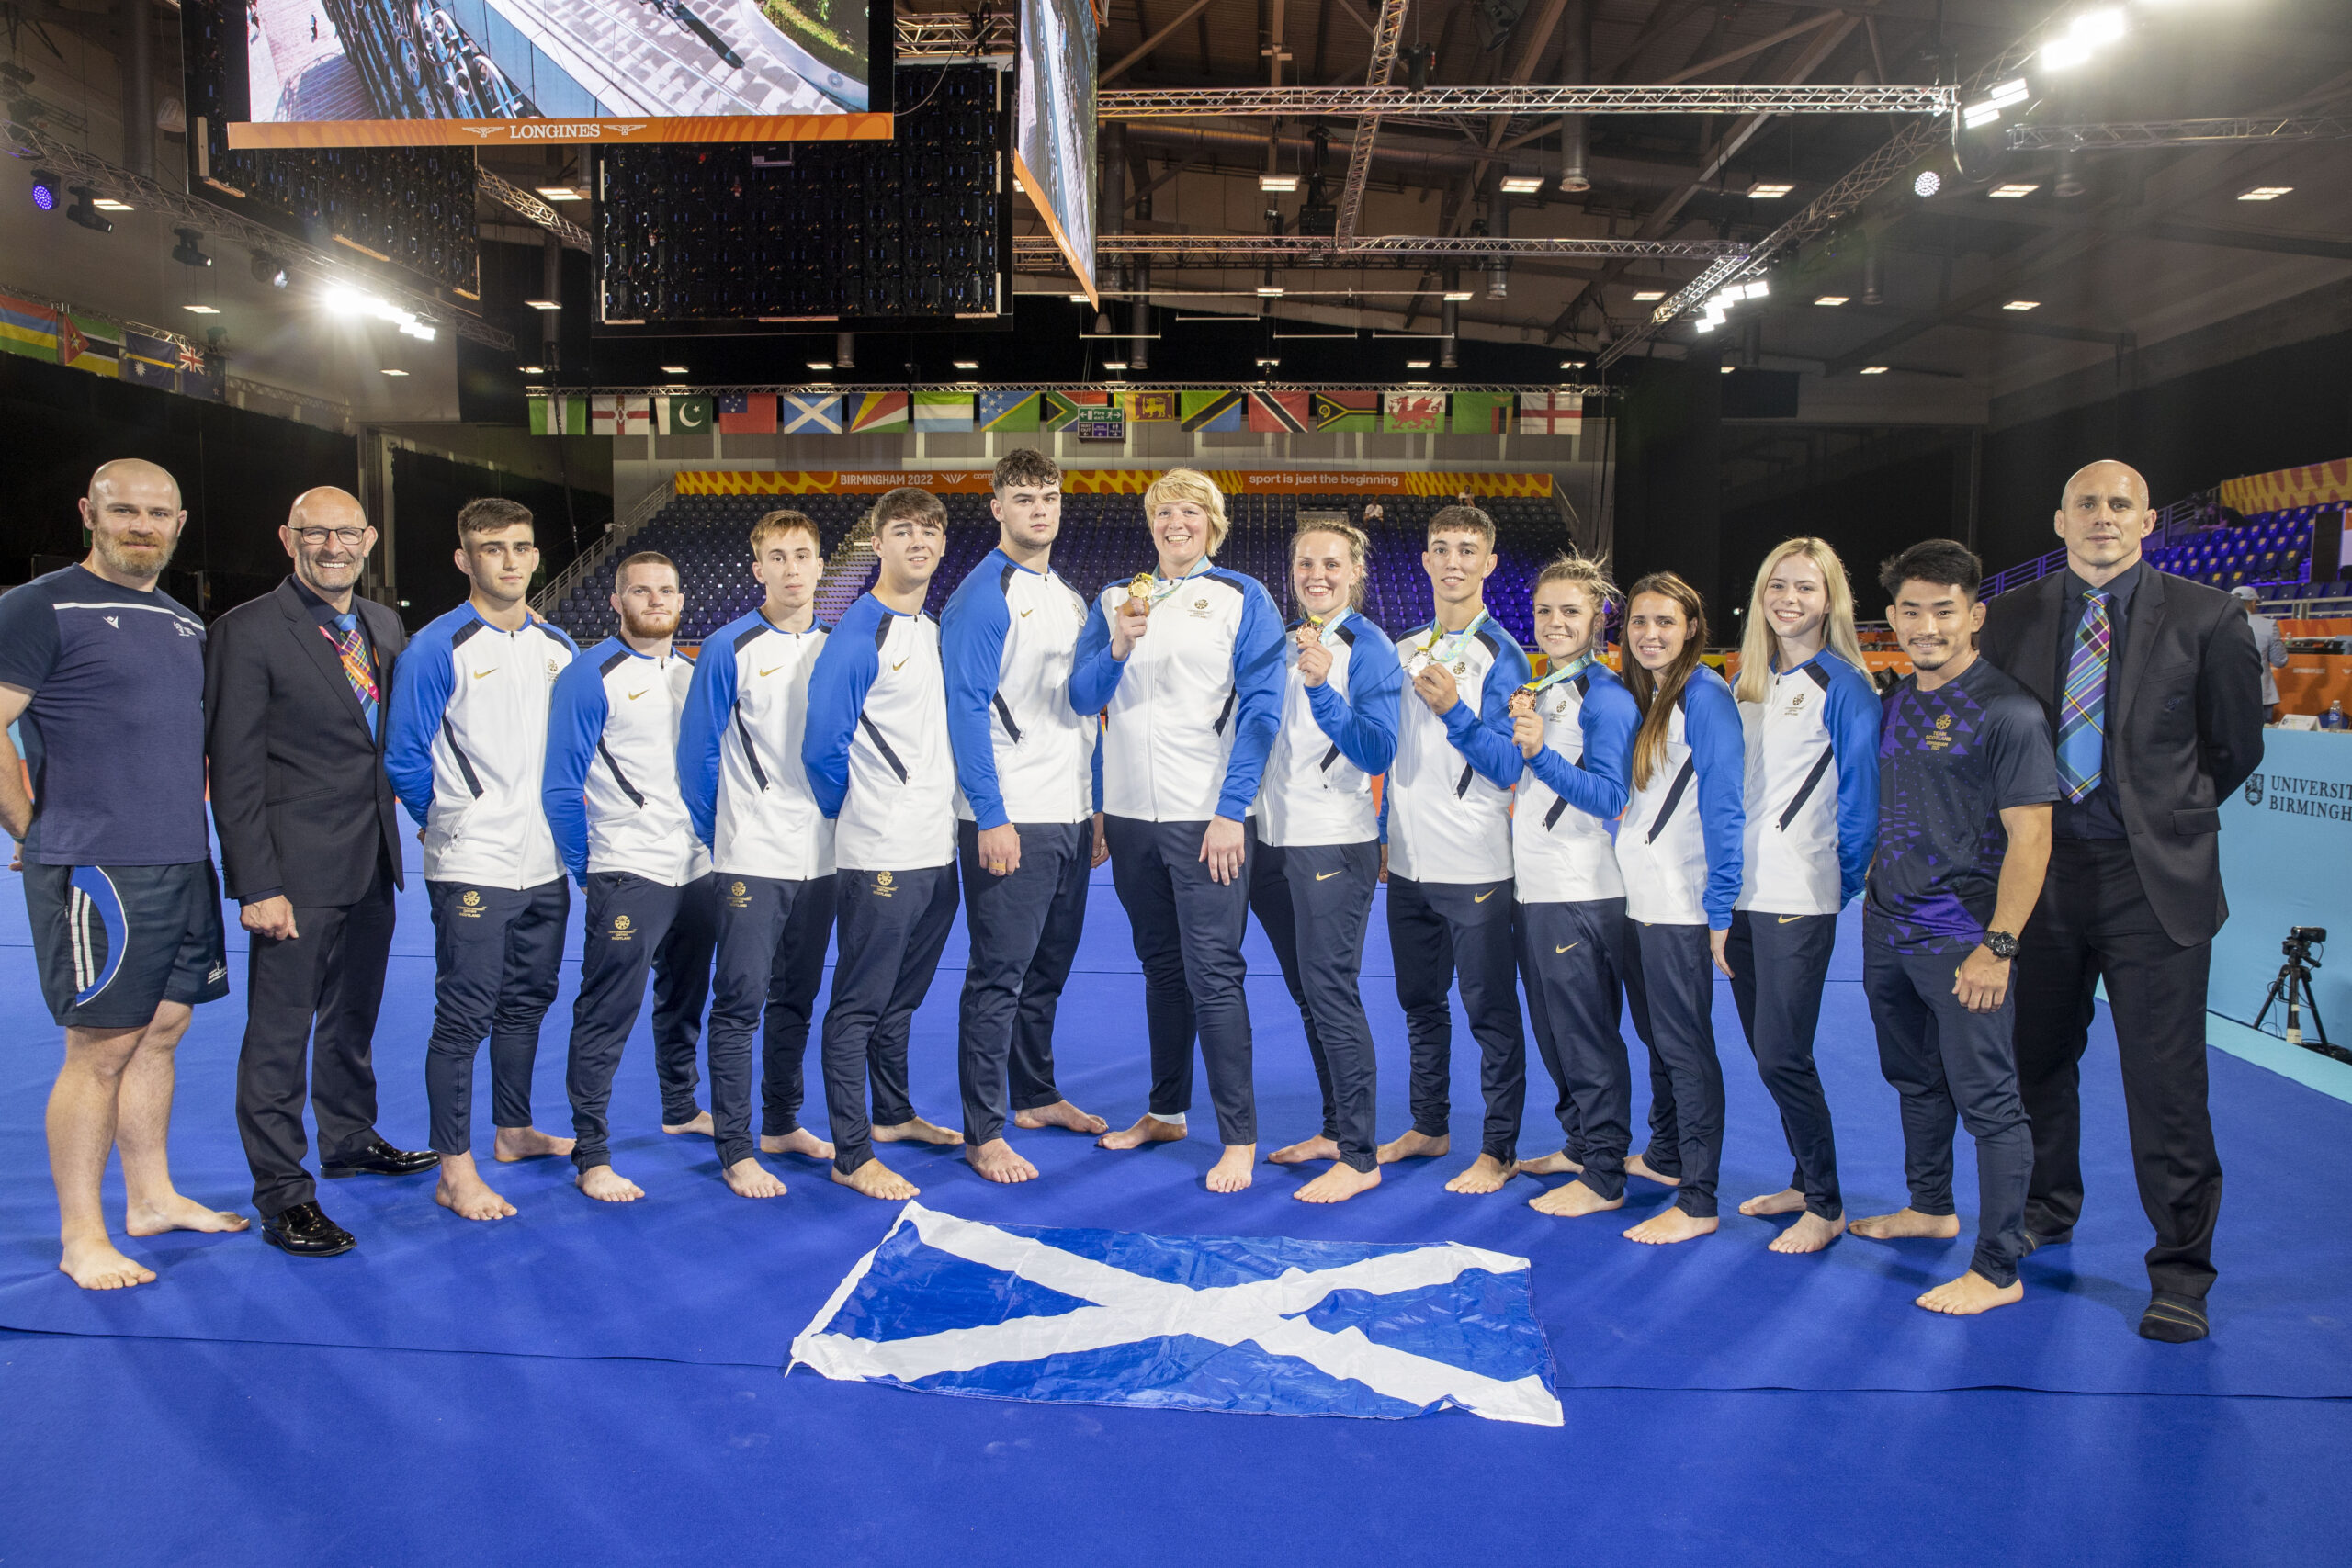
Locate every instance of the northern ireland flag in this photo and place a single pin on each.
(1263, 1324)
(878, 411)
(818, 413)
(618, 415)
(1412, 413)
(1279, 411)
(1551, 413)
(747, 413)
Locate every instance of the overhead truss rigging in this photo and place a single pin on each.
(1033, 251)
(2176, 133)
(1439, 104)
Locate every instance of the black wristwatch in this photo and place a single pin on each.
(2000, 945)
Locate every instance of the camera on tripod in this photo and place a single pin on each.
(2294, 987)
(2301, 940)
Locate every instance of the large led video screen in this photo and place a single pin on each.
(1053, 134)
(489, 73)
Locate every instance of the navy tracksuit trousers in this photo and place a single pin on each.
(1568, 961)
(1314, 901)
(772, 939)
(1779, 964)
(1670, 990)
(497, 957)
(1188, 930)
(1440, 933)
(1024, 929)
(634, 924)
(893, 927)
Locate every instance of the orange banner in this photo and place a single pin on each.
(2321, 484)
(1110, 481)
(254, 134)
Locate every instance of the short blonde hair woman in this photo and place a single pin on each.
(1190, 485)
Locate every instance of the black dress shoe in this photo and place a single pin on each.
(377, 1157)
(2173, 1319)
(303, 1231)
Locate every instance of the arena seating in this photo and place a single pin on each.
(2270, 550)
(1103, 541)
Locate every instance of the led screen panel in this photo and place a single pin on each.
(1053, 135)
(491, 73)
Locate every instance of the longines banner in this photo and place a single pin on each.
(1110, 481)
(2286, 855)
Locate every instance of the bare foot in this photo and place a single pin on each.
(177, 1213)
(996, 1160)
(1234, 1168)
(799, 1141)
(1970, 1294)
(1906, 1223)
(1305, 1151)
(1412, 1146)
(1484, 1174)
(1810, 1234)
(526, 1143)
(1557, 1164)
(1787, 1201)
(1636, 1165)
(1060, 1113)
(916, 1131)
(699, 1126)
(606, 1185)
(464, 1193)
(94, 1264)
(1149, 1130)
(748, 1178)
(1572, 1199)
(1668, 1227)
(876, 1180)
(1339, 1184)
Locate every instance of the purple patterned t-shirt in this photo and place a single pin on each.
(1950, 762)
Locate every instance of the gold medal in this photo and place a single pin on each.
(1139, 591)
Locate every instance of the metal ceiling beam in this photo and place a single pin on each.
(1143, 50)
(2176, 133)
(530, 205)
(1388, 30)
(1037, 250)
(1441, 104)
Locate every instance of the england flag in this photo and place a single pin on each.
(1264, 1325)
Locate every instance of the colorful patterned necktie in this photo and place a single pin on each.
(2082, 720)
(357, 668)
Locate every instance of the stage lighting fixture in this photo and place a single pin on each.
(562, 193)
(111, 204)
(966, 364)
(1872, 370)
(1831, 298)
(2265, 193)
(2012, 192)
(1928, 184)
(1267, 364)
(45, 189)
(345, 301)
(1645, 296)
(532, 370)
(201, 309)
(268, 268)
(390, 371)
(544, 304)
(1521, 184)
(673, 370)
(1726, 369)
(1278, 184)
(86, 214)
(1769, 191)
(1571, 363)
(186, 251)
(1705, 325)
(2022, 305)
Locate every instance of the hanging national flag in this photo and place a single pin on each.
(1551, 413)
(747, 413)
(1345, 411)
(88, 344)
(682, 416)
(1152, 407)
(1280, 411)
(562, 415)
(619, 414)
(1056, 411)
(27, 327)
(1412, 413)
(1211, 411)
(1010, 410)
(1480, 414)
(942, 411)
(203, 374)
(1264, 1325)
(817, 414)
(878, 411)
(151, 361)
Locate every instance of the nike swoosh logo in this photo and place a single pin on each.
(1482, 897)
(1026, 615)
(1786, 918)
(1570, 948)
(491, 670)
(1325, 876)
(901, 664)
(771, 670)
(634, 695)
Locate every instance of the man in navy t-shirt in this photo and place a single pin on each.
(1966, 776)
(104, 677)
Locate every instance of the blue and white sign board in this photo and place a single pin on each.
(2286, 862)
(1264, 1325)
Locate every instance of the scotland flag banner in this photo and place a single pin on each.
(1261, 1325)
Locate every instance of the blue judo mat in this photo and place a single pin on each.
(694, 1274)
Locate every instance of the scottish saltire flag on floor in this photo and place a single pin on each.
(1262, 1324)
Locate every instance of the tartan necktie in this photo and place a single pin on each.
(2082, 720)
(357, 668)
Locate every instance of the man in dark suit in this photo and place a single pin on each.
(2154, 695)
(295, 683)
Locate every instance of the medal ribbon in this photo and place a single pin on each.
(1566, 672)
(1454, 644)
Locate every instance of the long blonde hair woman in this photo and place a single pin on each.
(1768, 607)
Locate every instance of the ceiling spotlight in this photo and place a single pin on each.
(532, 370)
(2013, 191)
(186, 253)
(390, 371)
(1831, 298)
(1268, 291)
(1263, 363)
(109, 204)
(966, 364)
(1521, 184)
(1769, 191)
(45, 189)
(820, 365)
(1643, 296)
(201, 309)
(1278, 184)
(2022, 305)
(1728, 369)
(1928, 184)
(268, 268)
(673, 370)
(1458, 294)
(1080, 299)
(86, 213)
(1114, 365)
(561, 193)
(2265, 193)
(2063, 53)
(1707, 323)
(1873, 370)
(544, 304)
(1417, 365)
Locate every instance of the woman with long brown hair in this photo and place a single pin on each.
(1678, 851)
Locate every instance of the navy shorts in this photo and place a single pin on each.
(116, 942)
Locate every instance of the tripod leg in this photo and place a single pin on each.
(2268, 997)
(2312, 1001)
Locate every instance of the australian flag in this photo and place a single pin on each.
(1264, 1325)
